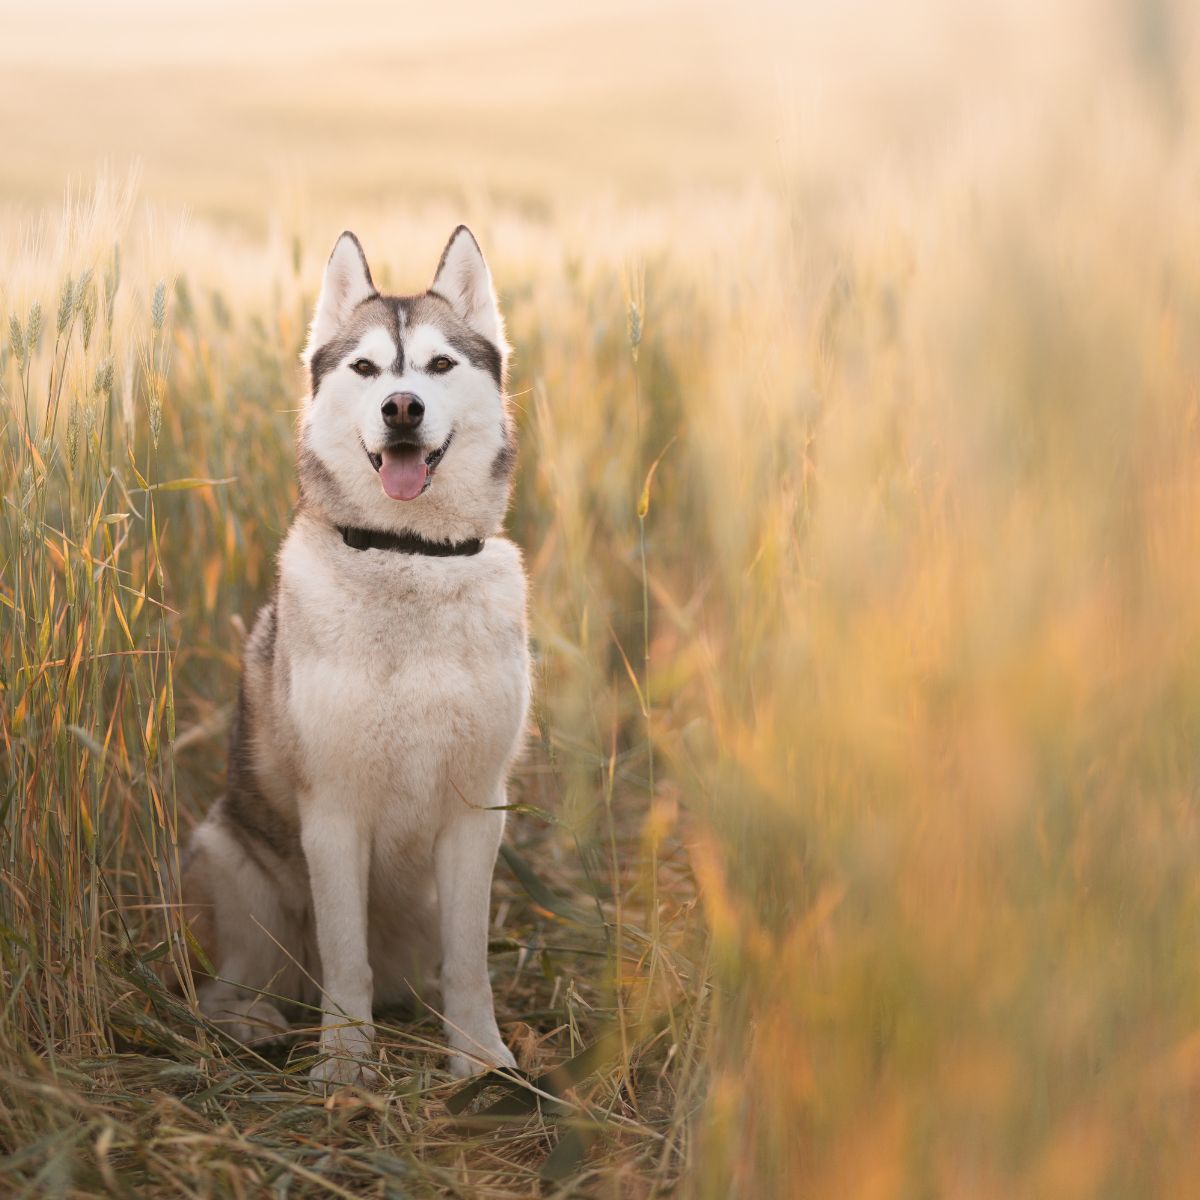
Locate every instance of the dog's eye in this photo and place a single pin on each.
(364, 367)
(441, 364)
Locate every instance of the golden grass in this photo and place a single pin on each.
(858, 834)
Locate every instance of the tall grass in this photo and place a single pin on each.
(148, 471)
(854, 852)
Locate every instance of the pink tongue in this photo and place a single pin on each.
(403, 472)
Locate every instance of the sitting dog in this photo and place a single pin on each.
(384, 688)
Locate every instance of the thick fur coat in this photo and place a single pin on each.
(384, 692)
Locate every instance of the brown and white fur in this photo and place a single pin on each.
(383, 695)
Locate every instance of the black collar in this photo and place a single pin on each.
(406, 543)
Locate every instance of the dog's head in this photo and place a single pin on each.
(406, 425)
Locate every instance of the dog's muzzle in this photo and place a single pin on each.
(405, 470)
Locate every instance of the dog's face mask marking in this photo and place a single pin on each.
(407, 403)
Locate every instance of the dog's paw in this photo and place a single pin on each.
(474, 1060)
(253, 1024)
(344, 1065)
(341, 1072)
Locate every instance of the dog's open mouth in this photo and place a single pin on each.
(406, 470)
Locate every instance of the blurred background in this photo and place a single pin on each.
(857, 373)
(236, 112)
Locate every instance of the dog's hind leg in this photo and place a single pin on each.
(256, 943)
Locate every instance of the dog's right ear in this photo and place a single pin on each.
(347, 284)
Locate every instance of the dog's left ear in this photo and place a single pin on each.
(464, 280)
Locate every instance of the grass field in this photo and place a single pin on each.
(857, 375)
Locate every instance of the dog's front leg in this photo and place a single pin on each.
(339, 858)
(464, 858)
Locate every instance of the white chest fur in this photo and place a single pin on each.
(407, 677)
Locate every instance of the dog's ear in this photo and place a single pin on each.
(347, 283)
(463, 279)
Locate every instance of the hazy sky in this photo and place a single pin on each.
(222, 104)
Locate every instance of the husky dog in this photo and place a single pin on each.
(385, 686)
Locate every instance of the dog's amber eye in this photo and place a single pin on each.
(441, 364)
(364, 366)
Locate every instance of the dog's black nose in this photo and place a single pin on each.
(402, 410)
